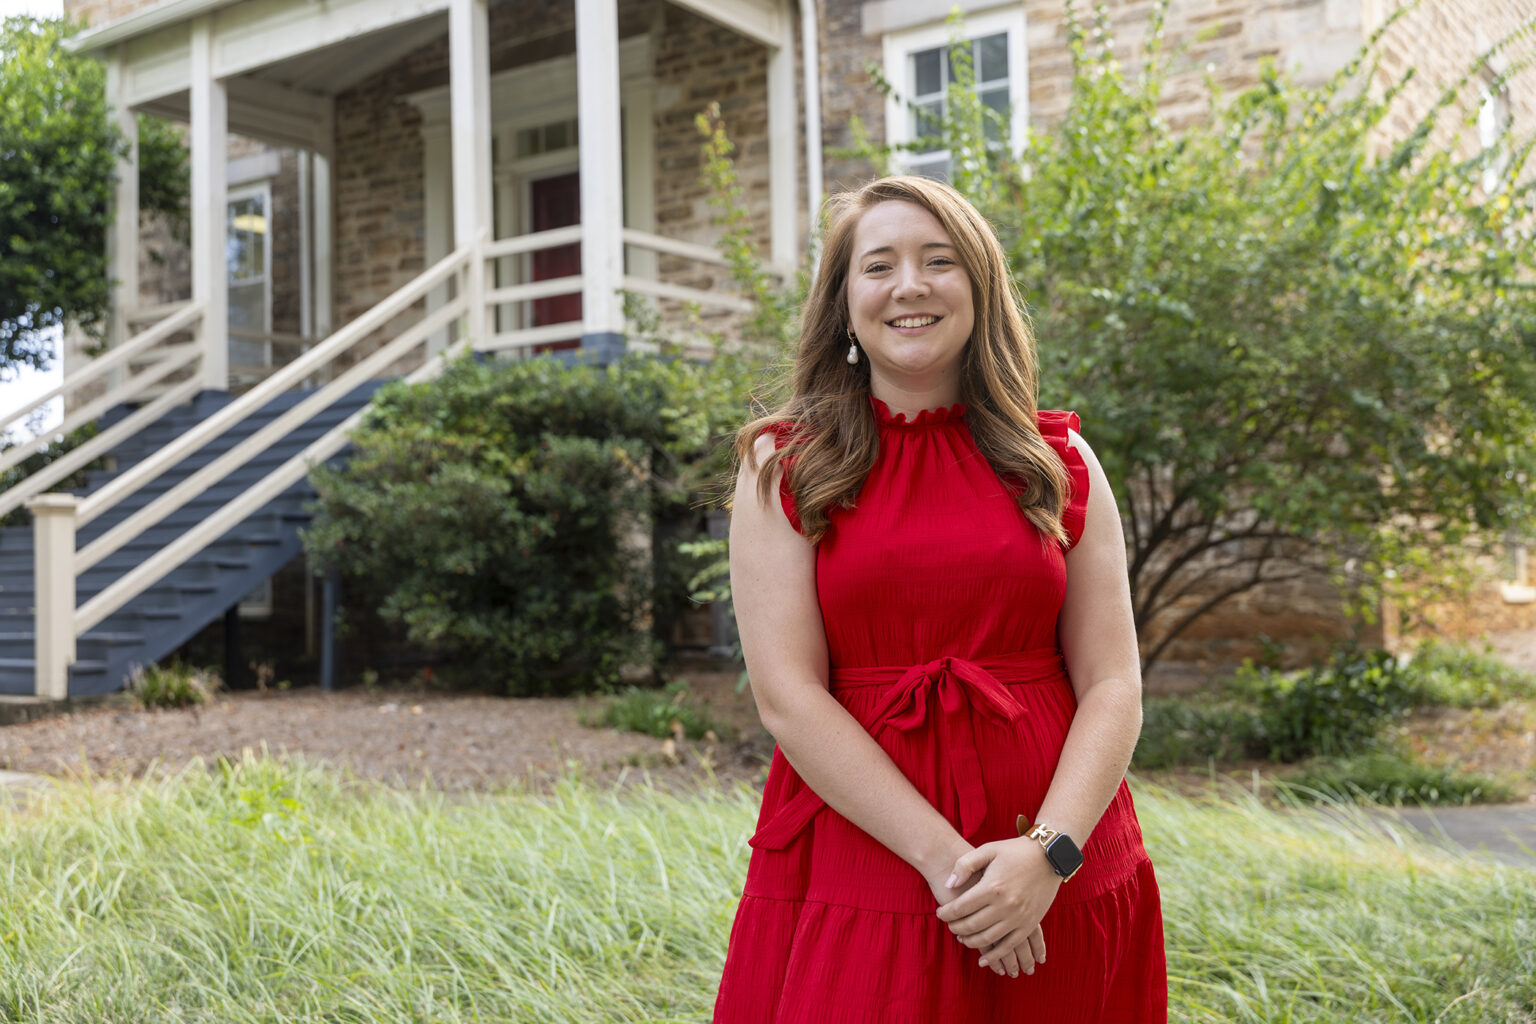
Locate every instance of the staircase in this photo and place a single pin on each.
(163, 617)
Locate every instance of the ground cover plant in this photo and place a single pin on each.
(267, 891)
(663, 713)
(1332, 719)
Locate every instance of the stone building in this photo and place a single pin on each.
(341, 152)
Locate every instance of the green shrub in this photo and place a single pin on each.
(1457, 676)
(1390, 777)
(173, 686)
(1336, 708)
(515, 518)
(1193, 730)
(658, 713)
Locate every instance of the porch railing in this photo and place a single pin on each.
(59, 517)
(124, 382)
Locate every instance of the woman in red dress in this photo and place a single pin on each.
(929, 577)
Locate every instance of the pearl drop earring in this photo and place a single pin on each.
(853, 349)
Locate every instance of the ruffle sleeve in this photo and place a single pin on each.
(1054, 424)
(783, 433)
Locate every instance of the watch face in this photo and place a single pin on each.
(1064, 856)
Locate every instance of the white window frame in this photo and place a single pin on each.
(899, 47)
(262, 189)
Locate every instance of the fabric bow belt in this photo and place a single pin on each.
(945, 693)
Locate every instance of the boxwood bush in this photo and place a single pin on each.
(514, 518)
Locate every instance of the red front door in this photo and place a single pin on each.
(556, 203)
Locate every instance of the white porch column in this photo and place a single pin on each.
(602, 176)
(53, 566)
(782, 142)
(469, 56)
(123, 234)
(209, 103)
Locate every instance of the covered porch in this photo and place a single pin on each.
(552, 140)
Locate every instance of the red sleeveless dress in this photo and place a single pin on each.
(940, 601)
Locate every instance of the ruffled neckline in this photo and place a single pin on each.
(885, 418)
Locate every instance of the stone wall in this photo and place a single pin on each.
(99, 12)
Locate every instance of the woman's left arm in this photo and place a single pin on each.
(1097, 634)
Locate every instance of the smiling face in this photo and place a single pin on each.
(909, 302)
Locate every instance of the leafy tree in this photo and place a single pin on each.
(1290, 355)
(59, 152)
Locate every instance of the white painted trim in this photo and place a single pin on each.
(324, 220)
(210, 149)
(143, 22)
(602, 160)
(306, 256)
(783, 181)
(758, 20)
(288, 117)
(263, 189)
(810, 59)
(640, 170)
(257, 33)
(437, 200)
(123, 232)
(898, 46)
(255, 167)
(525, 95)
(470, 89)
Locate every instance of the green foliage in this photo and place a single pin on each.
(1335, 708)
(173, 686)
(1456, 676)
(500, 514)
(197, 898)
(1292, 356)
(60, 155)
(1389, 777)
(661, 713)
(1193, 731)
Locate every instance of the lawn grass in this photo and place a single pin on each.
(275, 892)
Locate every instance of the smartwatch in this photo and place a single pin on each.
(1060, 850)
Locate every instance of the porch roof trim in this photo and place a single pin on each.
(142, 22)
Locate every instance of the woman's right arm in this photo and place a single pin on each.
(773, 587)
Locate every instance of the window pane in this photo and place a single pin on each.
(930, 167)
(925, 73)
(555, 136)
(927, 123)
(992, 58)
(996, 99)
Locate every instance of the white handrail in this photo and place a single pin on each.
(674, 247)
(238, 456)
(104, 364)
(526, 336)
(532, 242)
(534, 290)
(665, 290)
(179, 356)
(97, 446)
(236, 510)
(143, 472)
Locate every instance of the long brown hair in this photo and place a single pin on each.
(834, 440)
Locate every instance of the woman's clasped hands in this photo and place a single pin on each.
(1004, 889)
